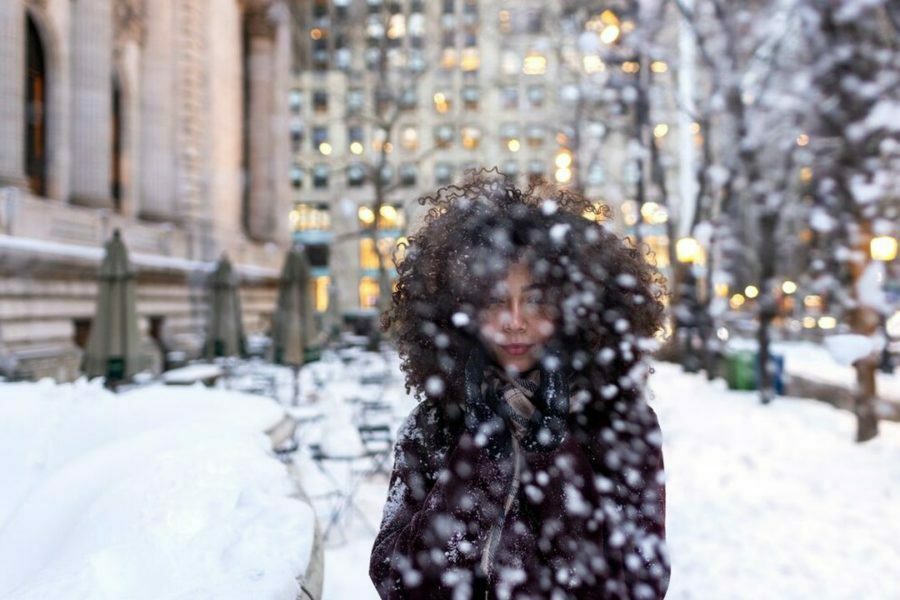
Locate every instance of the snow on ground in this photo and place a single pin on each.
(763, 501)
(163, 492)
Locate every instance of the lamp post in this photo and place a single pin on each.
(688, 253)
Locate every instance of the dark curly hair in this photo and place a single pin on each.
(607, 297)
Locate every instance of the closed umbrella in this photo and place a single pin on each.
(225, 329)
(294, 332)
(113, 344)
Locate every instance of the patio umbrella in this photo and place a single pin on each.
(113, 343)
(225, 329)
(294, 326)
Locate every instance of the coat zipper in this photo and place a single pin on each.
(493, 539)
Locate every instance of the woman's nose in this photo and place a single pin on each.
(515, 320)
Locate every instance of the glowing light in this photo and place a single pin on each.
(812, 301)
(660, 130)
(883, 248)
(721, 289)
(695, 127)
(388, 212)
(608, 17)
(470, 60)
(563, 175)
(356, 148)
(687, 250)
(593, 64)
(630, 66)
(610, 34)
(736, 301)
(809, 322)
(802, 139)
(534, 64)
(563, 160)
(788, 287)
(806, 174)
(751, 291)
(827, 322)
(659, 66)
(513, 145)
(316, 34)
(654, 214)
(325, 148)
(366, 215)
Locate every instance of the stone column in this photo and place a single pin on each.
(91, 113)
(156, 199)
(12, 93)
(261, 220)
(280, 162)
(130, 31)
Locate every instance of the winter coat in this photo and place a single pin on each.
(586, 520)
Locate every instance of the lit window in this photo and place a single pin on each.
(443, 173)
(355, 138)
(470, 60)
(510, 63)
(368, 292)
(320, 176)
(310, 217)
(471, 137)
(535, 63)
(320, 285)
(409, 137)
(448, 58)
(442, 102)
(319, 137)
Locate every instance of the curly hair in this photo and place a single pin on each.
(606, 295)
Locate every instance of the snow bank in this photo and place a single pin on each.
(159, 493)
(774, 501)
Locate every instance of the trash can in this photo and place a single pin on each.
(740, 369)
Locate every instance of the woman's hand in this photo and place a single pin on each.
(483, 418)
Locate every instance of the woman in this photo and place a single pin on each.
(532, 466)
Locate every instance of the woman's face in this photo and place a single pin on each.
(517, 321)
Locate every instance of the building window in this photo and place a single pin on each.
(390, 217)
(536, 95)
(341, 9)
(320, 101)
(295, 101)
(536, 136)
(471, 95)
(535, 171)
(356, 175)
(320, 176)
(443, 173)
(409, 99)
(355, 141)
(470, 136)
(443, 135)
(409, 137)
(510, 169)
(296, 177)
(296, 135)
(470, 60)
(509, 97)
(320, 287)
(408, 174)
(442, 102)
(449, 7)
(320, 9)
(595, 174)
(355, 100)
(368, 292)
(510, 62)
(35, 110)
(310, 217)
(387, 174)
(319, 137)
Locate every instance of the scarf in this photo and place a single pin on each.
(514, 395)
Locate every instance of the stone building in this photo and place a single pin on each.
(165, 119)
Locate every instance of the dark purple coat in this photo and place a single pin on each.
(586, 520)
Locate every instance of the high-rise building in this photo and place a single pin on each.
(417, 92)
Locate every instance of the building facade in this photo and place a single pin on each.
(472, 84)
(164, 119)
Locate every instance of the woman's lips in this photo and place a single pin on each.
(516, 349)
